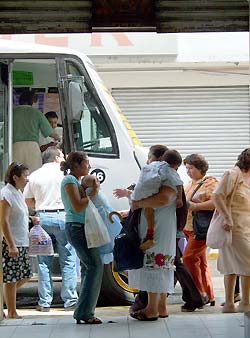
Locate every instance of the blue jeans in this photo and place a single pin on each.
(91, 271)
(54, 224)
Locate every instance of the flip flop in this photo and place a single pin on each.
(142, 317)
(166, 316)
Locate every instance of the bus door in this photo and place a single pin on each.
(5, 119)
(90, 129)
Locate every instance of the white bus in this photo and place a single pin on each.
(66, 81)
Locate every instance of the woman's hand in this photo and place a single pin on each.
(227, 227)
(120, 193)
(192, 206)
(13, 251)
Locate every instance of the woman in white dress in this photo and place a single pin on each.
(157, 275)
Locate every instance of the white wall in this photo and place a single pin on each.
(171, 78)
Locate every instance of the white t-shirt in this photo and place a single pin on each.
(44, 186)
(19, 215)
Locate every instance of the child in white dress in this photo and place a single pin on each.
(149, 184)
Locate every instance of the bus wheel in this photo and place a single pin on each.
(115, 289)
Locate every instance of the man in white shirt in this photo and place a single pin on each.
(43, 193)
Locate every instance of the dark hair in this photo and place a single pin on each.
(172, 157)
(50, 154)
(158, 150)
(198, 161)
(14, 168)
(51, 114)
(243, 161)
(27, 97)
(73, 158)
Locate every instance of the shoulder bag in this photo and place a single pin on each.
(201, 218)
(127, 254)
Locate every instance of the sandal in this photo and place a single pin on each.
(165, 316)
(237, 299)
(142, 317)
(92, 320)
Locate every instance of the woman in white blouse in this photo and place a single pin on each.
(15, 227)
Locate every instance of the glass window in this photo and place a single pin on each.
(93, 131)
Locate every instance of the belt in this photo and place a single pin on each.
(54, 210)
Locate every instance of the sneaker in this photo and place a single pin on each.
(70, 308)
(42, 309)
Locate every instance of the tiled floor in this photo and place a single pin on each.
(206, 323)
(117, 324)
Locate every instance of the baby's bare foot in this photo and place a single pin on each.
(149, 243)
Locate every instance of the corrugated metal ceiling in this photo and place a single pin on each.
(202, 15)
(57, 16)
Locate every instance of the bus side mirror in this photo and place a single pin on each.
(76, 101)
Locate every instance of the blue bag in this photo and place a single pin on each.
(127, 254)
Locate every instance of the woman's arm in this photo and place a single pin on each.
(165, 196)
(79, 203)
(5, 215)
(207, 205)
(75, 199)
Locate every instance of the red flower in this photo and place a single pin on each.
(160, 259)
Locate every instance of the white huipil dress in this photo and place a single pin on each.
(157, 274)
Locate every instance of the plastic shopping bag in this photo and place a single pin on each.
(96, 231)
(40, 242)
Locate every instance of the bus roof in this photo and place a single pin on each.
(8, 48)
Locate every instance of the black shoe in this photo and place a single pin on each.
(190, 307)
(207, 301)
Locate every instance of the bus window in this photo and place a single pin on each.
(93, 129)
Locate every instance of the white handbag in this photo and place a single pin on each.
(217, 236)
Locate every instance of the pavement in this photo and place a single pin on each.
(206, 323)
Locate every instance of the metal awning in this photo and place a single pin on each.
(83, 16)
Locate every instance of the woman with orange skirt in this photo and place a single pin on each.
(194, 256)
